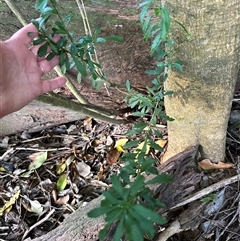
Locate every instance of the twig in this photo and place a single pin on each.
(6, 153)
(207, 191)
(37, 149)
(95, 114)
(50, 213)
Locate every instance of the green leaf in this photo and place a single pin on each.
(146, 163)
(116, 184)
(103, 233)
(138, 128)
(161, 178)
(131, 144)
(143, 13)
(128, 85)
(101, 40)
(61, 58)
(50, 56)
(125, 177)
(119, 230)
(97, 212)
(41, 4)
(156, 42)
(62, 182)
(146, 23)
(68, 18)
(38, 161)
(53, 47)
(38, 41)
(137, 185)
(166, 20)
(148, 214)
(139, 114)
(115, 38)
(35, 23)
(136, 233)
(143, 4)
(155, 146)
(79, 66)
(111, 196)
(42, 51)
(178, 66)
(152, 170)
(59, 31)
(114, 215)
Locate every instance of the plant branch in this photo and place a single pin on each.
(95, 112)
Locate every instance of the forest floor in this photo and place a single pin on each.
(54, 167)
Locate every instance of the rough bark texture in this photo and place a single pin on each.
(203, 92)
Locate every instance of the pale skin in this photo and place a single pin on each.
(21, 71)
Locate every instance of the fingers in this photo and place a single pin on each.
(26, 34)
(47, 65)
(52, 84)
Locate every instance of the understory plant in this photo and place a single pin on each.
(129, 203)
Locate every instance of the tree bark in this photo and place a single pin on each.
(203, 92)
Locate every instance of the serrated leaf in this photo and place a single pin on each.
(37, 160)
(62, 182)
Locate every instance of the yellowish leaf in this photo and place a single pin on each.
(62, 182)
(61, 168)
(140, 147)
(120, 143)
(161, 142)
(7, 206)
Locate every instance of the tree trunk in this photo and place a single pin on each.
(203, 92)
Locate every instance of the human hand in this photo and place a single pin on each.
(21, 71)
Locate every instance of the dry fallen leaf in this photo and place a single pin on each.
(206, 164)
(7, 206)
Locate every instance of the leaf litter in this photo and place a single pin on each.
(48, 172)
(53, 171)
